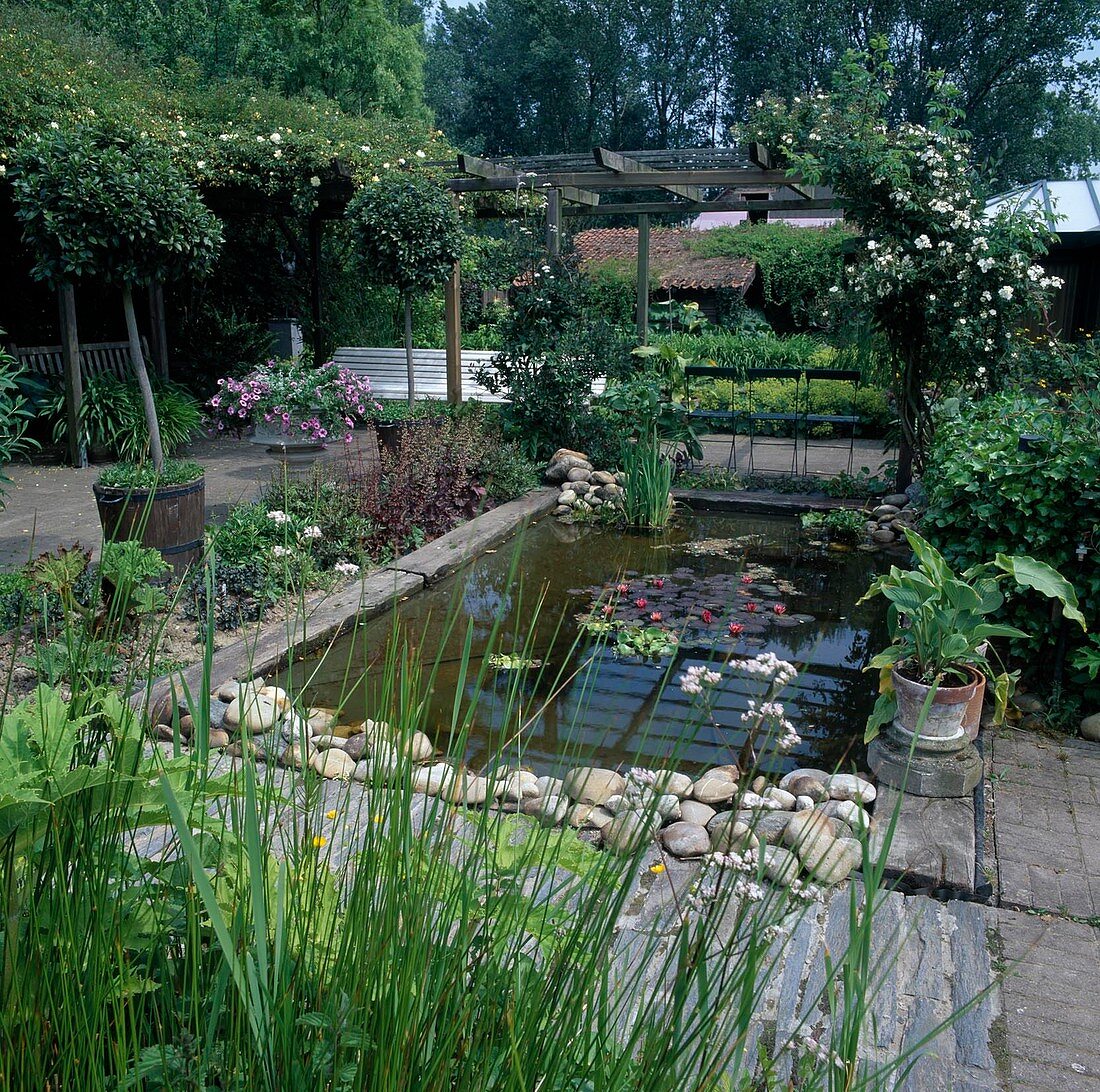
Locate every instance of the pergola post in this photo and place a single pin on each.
(643, 279)
(553, 223)
(70, 357)
(314, 233)
(452, 299)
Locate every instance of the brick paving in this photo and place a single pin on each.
(1046, 822)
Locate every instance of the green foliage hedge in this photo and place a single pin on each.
(986, 496)
(751, 350)
(798, 266)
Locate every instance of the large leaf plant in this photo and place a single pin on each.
(939, 621)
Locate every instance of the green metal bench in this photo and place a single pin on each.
(747, 420)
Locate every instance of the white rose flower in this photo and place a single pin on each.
(1005, 292)
(314, 181)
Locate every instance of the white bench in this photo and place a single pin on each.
(389, 377)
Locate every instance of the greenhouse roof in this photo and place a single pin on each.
(1069, 207)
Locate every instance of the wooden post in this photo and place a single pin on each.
(74, 387)
(158, 328)
(315, 285)
(553, 223)
(643, 279)
(452, 299)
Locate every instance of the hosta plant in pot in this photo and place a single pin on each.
(939, 660)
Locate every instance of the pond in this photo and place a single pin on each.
(592, 701)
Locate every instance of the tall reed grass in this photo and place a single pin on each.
(647, 479)
(183, 921)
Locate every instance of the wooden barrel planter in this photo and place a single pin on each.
(170, 519)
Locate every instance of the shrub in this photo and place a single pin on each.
(112, 416)
(16, 598)
(506, 472)
(15, 415)
(552, 350)
(987, 496)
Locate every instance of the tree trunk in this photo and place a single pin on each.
(409, 349)
(156, 452)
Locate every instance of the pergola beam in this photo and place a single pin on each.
(817, 204)
(641, 180)
(621, 164)
(511, 179)
(761, 155)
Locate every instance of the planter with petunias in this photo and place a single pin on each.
(294, 409)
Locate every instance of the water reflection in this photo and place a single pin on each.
(613, 709)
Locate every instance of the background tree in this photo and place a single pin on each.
(365, 54)
(408, 236)
(562, 75)
(96, 204)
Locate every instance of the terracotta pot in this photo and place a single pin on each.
(972, 718)
(944, 728)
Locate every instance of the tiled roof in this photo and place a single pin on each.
(671, 261)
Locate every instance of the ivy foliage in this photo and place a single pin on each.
(113, 206)
(407, 232)
(798, 266)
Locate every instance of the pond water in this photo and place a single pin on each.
(591, 701)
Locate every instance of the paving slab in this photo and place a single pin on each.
(51, 506)
(933, 843)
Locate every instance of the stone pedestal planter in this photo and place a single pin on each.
(295, 450)
(935, 758)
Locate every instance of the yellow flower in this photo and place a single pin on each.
(330, 814)
(319, 841)
(657, 868)
(376, 818)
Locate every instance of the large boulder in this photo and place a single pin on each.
(593, 785)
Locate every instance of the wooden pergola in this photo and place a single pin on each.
(631, 184)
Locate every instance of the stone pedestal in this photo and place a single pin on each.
(904, 763)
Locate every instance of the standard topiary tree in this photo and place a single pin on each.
(408, 236)
(96, 204)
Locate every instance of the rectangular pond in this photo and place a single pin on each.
(594, 698)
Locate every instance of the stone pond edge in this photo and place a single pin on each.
(268, 648)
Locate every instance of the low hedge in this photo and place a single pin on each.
(827, 396)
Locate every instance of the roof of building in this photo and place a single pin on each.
(1068, 207)
(672, 262)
